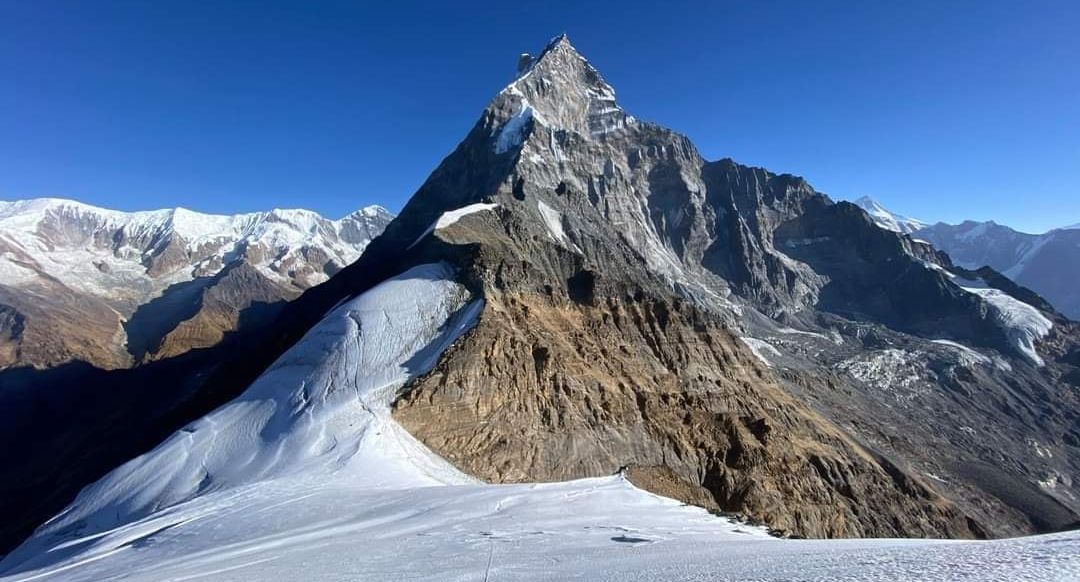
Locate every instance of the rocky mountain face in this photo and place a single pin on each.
(730, 336)
(629, 283)
(115, 289)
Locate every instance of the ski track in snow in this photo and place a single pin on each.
(307, 477)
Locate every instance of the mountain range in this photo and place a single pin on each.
(577, 340)
(1047, 263)
(117, 288)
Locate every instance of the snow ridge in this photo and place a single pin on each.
(106, 253)
(320, 412)
(887, 219)
(194, 227)
(310, 453)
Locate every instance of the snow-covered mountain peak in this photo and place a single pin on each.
(120, 261)
(887, 219)
(613, 263)
(1045, 263)
(34, 217)
(23, 214)
(191, 224)
(868, 203)
(372, 211)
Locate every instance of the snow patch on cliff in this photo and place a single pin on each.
(762, 349)
(452, 216)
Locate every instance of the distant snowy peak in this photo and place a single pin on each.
(103, 251)
(192, 226)
(1048, 263)
(887, 219)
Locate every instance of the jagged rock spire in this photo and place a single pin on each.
(558, 89)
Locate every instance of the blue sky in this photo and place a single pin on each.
(941, 110)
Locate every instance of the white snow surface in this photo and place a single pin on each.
(887, 219)
(1023, 323)
(889, 369)
(512, 132)
(307, 477)
(968, 356)
(452, 216)
(553, 222)
(760, 348)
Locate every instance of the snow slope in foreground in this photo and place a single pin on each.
(307, 477)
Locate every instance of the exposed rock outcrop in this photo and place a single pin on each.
(546, 389)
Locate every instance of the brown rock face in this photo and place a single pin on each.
(240, 293)
(547, 389)
(49, 324)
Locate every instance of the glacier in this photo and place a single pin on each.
(1023, 323)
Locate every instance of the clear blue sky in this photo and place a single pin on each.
(941, 110)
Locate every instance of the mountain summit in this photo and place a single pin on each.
(559, 89)
(887, 219)
(573, 293)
